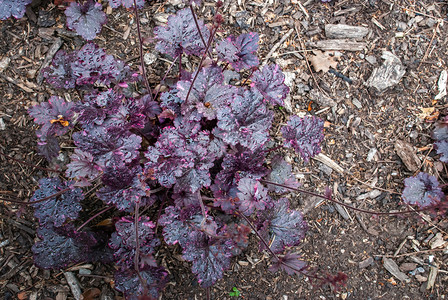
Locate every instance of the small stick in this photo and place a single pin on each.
(277, 45)
(73, 283)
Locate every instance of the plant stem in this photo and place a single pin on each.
(93, 217)
(199, 29)
(37, 201)
(200, 63)
(252, 72)
(372, 212)
(142, 61)
(29, 164)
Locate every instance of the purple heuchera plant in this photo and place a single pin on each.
(203, 136)
(15, 8)
(86, 19)
(126, 3)
(422, 190)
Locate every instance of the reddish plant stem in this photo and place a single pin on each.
(200, 63)
(137, 246)
(180, 65)
(199, 29)
(372, 212)
(38, 201)
(29, 164)
(252, 72)
(140, 43)
(93, 217)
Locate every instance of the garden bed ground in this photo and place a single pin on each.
(363, 134)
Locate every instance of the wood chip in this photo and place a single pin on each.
(73, 283)
(329, 162)
(343, 31)
(339, 45)
(408, 155)
(392, 267)
(432, 277)
(387, 75)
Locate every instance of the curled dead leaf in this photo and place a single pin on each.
(323, 61)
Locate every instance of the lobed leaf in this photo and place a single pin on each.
(239, 52)
(128, 282)
(15, 8)
(82, 166)
(281, 173)
(56, 210)
(253, 196)
(422, 190)
(181, 35)
(86, 19)
(270, 83)
(304, 135)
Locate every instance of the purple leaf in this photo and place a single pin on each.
(55, 116)
(440, 134)
(96, 107)
(181, 35)
(56, 210)
(210, 257)
(270, 83)
(48, 146)
(246, 122)
(239, 52)
(86, 19)
(123, 241)
(422, 190)
(304, 135)
(151, 108)
(93, 65)
(61, 246)
(227, 204)
(291, 263)
(102, 143)
(82, 166)
(244, 163)
(128, 282)
(239, 234)
(186, 199)
(181, 158)
(442, 149)
(281, 173)
(60, 74)
(253, 196)
(175, 225)
(126, 3)
(15, 8)
(124, 186)
(283, 227)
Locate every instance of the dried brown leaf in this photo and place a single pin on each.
(322, 61)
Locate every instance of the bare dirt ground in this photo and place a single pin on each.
(374, 139)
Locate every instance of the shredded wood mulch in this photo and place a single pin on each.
(370, 69)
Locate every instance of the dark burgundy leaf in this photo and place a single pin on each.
(128, 282)
(442, 149)
(239, 234)
(440, 134)
(253, 196)
(304, 135)
(422, 190)
(151, 108)
(48, 146)
(285, 227)
(175, 225)
(82, 165)
(291, 263)
(227, 204)
(123, 241)
(102, 143)
(125, 187)
(186, 199)
(246, 122)
(93, 65)
(210, 257)
(239, 52)
(62, 246)
(270, 82)
(60, 74)
(281, 173)
(86, 19)
(15, 8)
(181, 35)
(56, 210)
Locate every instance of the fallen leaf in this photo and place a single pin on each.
(91, 294)
(427, 113)
(323, 61)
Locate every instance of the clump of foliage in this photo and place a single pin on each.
(198, 152)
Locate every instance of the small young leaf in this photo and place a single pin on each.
(82, 166)
(422, 190)
(15, 8)
(304, 135)
(291, 263)
(85, 19)
(270, 83)
(253, 196)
